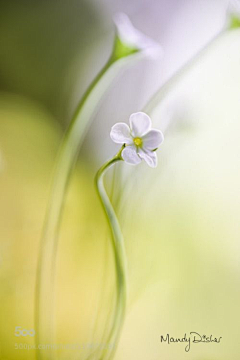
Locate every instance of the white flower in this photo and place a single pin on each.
(141, 142)
(234, 7)
(134, 39)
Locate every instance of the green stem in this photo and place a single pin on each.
(119, 254)
(45, 277)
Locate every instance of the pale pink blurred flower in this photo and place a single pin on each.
(134, 39)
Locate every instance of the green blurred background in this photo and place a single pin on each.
(180, 221)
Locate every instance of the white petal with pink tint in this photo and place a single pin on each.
(120, 134)
(149, 156)
(140, 124)
(129, 154)
(152, 139)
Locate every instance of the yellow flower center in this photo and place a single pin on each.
(137, 141)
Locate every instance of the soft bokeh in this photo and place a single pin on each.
(180, 221)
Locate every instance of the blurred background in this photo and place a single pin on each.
(180, 221)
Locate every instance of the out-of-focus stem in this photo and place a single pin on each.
(120, 259)
(166, 88)
(45, 278)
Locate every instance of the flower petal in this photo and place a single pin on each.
(120, 134)
(126, 31)
(129, 154)
(134, 39)
(140, 124)
(152, 139)
(149, 156)
(234, 7)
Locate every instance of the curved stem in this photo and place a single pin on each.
(119, 254)
(45, 277)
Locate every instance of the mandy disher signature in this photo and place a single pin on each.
(193, 337)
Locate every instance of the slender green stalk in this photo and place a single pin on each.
(45, 278)
(120, 258)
